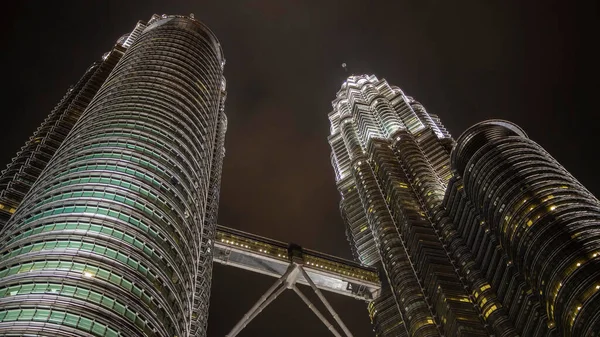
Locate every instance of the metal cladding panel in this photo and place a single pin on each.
(108, 242)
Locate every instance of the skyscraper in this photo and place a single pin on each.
(529, 227)
(114, 236)
(489, 235)
(391, 161)
(16, 180)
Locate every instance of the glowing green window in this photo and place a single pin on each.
(26, 314)
(130, 315)
(126, 284)
(57, 317)
(54, 288)
(122, 258)
(78, 267)
(99, 329)
(87, 246)
(107, 302)
(138, 244)
(128, 238)
(64, 265)
(41, 315)
(68, 290)
(137, 291)
(36, 230)
(39, 288)
(71, 320)
(62, 244)
(82, 293)
(115, 279)
(119, 308)
(104, 274)
(103, 250)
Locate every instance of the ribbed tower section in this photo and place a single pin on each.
(114, 236)
(204, 275)
(16, 180)
(532, 229)
(392, 164)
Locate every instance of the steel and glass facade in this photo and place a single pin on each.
(16, 180)
(392, 163)
(114, 237)
(531, 229)
(488, 235)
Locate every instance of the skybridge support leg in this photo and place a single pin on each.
(271, 294)
(326, 303)
(317, 312)
(288, 281)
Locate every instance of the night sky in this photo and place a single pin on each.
(533, 63)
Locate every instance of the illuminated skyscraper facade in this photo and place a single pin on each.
(116, 195)
(485, 236)
(391, 160)
(529, 228)
(16, 180)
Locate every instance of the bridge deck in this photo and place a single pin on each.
(269, 257)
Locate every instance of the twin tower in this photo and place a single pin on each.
(108, 213)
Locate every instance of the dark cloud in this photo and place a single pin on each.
(534, 63)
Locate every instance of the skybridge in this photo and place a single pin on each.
(292, 264)
(270, 257)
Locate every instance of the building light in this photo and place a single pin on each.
(87, 274)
